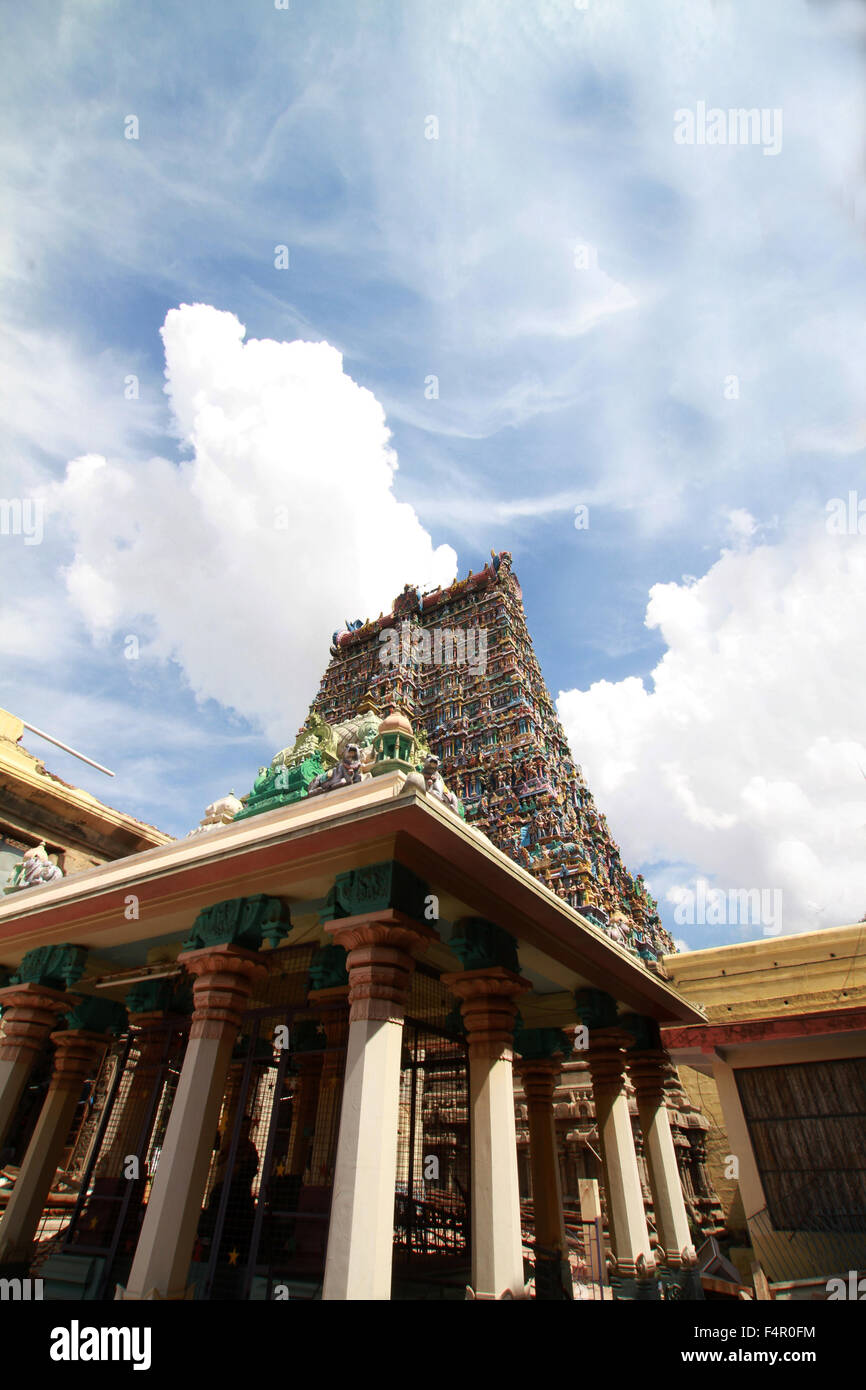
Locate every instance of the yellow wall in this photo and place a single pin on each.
(775, 976)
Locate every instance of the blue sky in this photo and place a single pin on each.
(670, 334)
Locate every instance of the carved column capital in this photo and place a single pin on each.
(539, 1077)
(606, 1056)
(30, 1011)
(224, 976)
(379, 960)
(75, 1051)
(488, 1003)
(649, 1074)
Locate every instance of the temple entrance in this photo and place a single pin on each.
(432, 1240)
(265, 1211)
(264, 1223)
(263, 1229)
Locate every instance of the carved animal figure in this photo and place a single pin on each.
(346, 773)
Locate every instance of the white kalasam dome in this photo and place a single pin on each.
(226, 806)
(220, 812)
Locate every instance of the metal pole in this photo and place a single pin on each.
(65, 746)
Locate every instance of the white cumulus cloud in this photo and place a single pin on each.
(745, 761)
(239, 562)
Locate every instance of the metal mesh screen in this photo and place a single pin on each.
(265, 1216)
(285, 984)
(431, 1223)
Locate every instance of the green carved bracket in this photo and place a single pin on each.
(94, 1015)
(172, 995)
(596, 1008)
(535, 1043)
(56, 967)
(242, 922)
(480, 944)
(328, 968)
(645, 1031)
(378, 887)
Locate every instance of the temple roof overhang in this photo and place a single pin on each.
(295, 853)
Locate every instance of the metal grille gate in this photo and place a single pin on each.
(432, 1241)
(265, 1215)
(263, 1223)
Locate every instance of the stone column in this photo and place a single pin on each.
(75, 1053)
(361, 1234)
(224, 977)
(593, 1231)
(539, 1076)
(30, 1011)
(606, 1055)
(648, 1073)
(488, 998)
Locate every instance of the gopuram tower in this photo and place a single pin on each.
(459, 666)
(459, 663)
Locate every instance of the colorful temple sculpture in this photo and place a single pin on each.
(459, 664)
(35, 868)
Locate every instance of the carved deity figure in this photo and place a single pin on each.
(347, 772)
(617, 932)
(35, 869)
(321, 731)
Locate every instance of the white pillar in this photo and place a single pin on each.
(647, 1069)
(362, 1208)
(626, 1214)
(361, 1231)
(489, 1009)
(224, 980)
